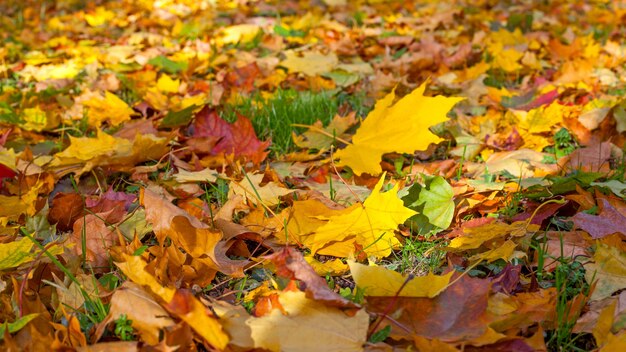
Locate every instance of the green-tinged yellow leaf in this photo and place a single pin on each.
(401, 127)
(370, 225)
(15, 253)
(16, 325)
(381, 282)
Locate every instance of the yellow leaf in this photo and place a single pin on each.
(504, 251)
(167, 84)
(474, 237)
(381, 282)
(15, 253)
(602, 330)
(332, 267)
(100, 17)
(36, 119)
(105, 149)
(110, 108)
(135, 269)
(615, 343)
(370, 225)
(310, 63)
(401, 127)
(505, 59)
(14, 207)
(8, 158)
(308, 326)
(608, 269)
(249, 188)
(238, 33)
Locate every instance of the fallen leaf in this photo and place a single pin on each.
(402, 126)
(250, 189)
(370, 225)
(183, 305)
(607, 222)
(309, 63)
(305, 324)
(456, 314)
(291, 264)
(237, 138)
(319, 137)
(380, 282)
(608, 269)
(108, 108)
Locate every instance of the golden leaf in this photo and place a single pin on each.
(382, 282)
(370, 225)
(401, 127)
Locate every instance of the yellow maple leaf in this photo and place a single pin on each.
(13, 207)
(310, 63)
(382, 282)
(250, 188)
(105, 149)
(167, 84)
(401, 127)
(110, 108)
(371, 225)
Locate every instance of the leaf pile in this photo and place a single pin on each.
(465, 193)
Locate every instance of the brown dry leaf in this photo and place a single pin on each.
(66, 208)
(98, 236)
(147, 316)
(521, 310)
(320, 137)
(457, 314)
(290, 264)
(250, 189)
(305, 324)
(181, 303)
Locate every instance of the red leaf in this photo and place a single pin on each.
(237, 138)
(608, 222)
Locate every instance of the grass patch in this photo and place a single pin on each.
(273, 117)
(417, 257)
